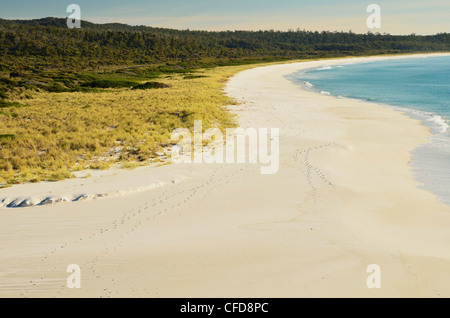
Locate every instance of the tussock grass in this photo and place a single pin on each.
(57, 133)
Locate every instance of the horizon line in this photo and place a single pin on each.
(298, 29)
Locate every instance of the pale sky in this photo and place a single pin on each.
(397, 16)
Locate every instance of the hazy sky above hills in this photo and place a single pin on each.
(398, 16)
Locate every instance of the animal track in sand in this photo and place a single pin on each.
(312, 170)
(168, 202)
(131, 220)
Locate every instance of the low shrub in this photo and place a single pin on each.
(108, 84)
(151, 85)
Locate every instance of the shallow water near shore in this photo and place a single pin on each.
(419, 87)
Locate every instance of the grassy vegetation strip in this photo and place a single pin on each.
(58, 133)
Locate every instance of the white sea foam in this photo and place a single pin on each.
(325, 93)
(308, 84)
(437, 121)
(325, 68)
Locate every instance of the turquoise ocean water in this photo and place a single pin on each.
(418, 86)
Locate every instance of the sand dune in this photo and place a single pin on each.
(344, 198)
(89, 185)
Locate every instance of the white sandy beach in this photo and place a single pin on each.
(344, 198)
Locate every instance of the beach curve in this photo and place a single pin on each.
(344, 198)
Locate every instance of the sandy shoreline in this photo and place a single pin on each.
(344, 198)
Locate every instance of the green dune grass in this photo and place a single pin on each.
(48, 135)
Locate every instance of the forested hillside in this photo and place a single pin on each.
(118, 43)
(30, 49)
